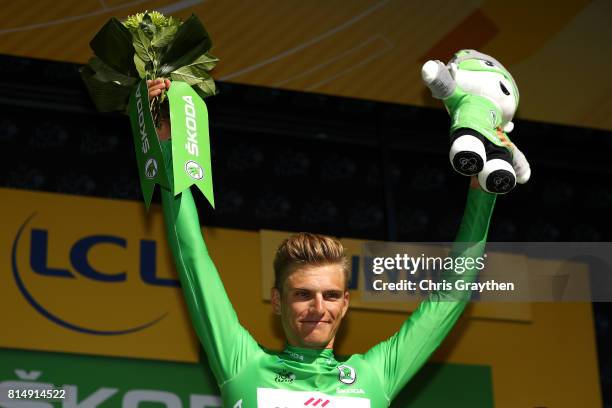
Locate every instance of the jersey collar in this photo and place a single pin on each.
(324, 356)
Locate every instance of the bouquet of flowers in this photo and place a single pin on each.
(147, 46)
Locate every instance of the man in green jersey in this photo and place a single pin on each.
(311, 297)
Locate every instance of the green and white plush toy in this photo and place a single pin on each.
(481, 97)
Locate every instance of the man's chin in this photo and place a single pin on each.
(315, 341)
(316, 344)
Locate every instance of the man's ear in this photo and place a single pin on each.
(275, 299)
(347, 298)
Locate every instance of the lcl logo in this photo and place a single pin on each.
(78, 255)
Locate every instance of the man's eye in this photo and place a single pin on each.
(301, 294)
(332, 295)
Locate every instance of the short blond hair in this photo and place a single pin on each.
(307, 249)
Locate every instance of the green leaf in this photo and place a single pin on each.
(140, 66)
(202, 94)
(206, 88)
(205, 61)
(164, 37)
(105, 73)
(196, 71)
(190, 35)
(141, 45)
(185, 59)
(113, 45)
(190, 75)
(106, 96)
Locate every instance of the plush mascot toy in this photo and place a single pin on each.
(481, 97)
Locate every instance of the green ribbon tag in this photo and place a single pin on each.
(190, 141)
(151, 165)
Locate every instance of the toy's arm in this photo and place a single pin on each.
(438, 79)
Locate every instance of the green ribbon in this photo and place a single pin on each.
(151, 165)
(190, 141)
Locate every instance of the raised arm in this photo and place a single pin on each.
(227, 344)
(398, 358)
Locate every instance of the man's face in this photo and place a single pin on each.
(312, 304)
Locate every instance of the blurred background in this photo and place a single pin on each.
(322, 123)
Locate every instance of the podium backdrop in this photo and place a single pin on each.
(88, 286)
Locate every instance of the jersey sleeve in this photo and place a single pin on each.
(398, 358)
(227, 344)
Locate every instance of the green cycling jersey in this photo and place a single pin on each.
(249, 375)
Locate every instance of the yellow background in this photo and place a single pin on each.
(82, 301)
(558, 51)
(549, 360)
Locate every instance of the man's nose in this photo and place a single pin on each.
(318, 304)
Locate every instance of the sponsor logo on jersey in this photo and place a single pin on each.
(346, 374)
(316, 402)
(295, 355)
(285, 377)
(271, 397)
(349, 391)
